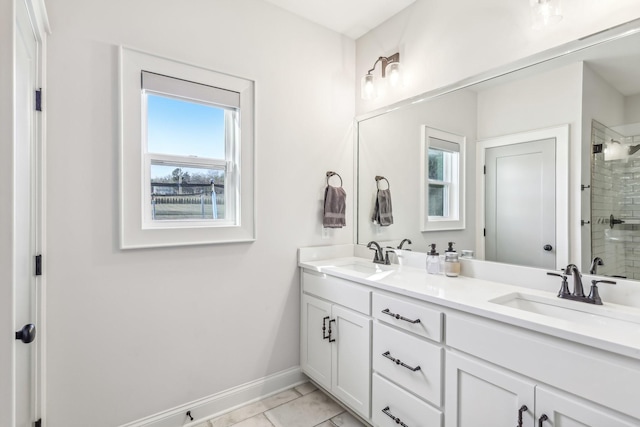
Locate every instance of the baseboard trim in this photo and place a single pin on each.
(219, 403)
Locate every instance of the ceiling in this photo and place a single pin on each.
(352, 18)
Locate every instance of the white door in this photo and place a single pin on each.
(554, 409)
(315, 351)
(24, 230)
(520, 202)
(351, 377)
(479, 395)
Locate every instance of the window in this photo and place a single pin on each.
(187, 139)
(442, 183)
(191, 139)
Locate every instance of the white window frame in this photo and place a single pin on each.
(454, 218)
(137, 228)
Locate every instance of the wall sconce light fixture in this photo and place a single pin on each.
(390, 68)
(545, 12)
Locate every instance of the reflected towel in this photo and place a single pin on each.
(383, 213)
(335, 201)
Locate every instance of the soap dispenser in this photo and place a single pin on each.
(451, 262)
(433, 260)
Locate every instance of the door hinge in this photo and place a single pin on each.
(597, 148)
(38, 423)
(484, 232)
(39, 99)
(38, 269)
(485, 169)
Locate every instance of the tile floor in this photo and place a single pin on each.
(301, 406)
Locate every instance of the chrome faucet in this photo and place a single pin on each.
(594, 265)
(379, 257)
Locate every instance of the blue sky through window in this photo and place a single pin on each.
(184, 128)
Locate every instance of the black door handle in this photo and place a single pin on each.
(547, 247)
(27, 334)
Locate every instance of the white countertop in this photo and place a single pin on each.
(474, 296)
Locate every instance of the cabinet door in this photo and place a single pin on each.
(351, 360)
(315, 350)
(481, 395)
(561, 410)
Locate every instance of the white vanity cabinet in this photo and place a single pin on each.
(521, 373)
(335, 338)
(407, 357)
(398, 360)
(481, 395)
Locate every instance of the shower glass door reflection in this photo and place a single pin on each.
(615, 199)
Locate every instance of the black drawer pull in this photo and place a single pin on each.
(387, 354)
(330, 322)
(542, 419)
(522, 409)
(393, 417)
(397, 316)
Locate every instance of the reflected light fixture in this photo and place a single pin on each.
(390, 68)
(545, 12)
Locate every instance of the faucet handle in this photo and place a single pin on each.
(594, 295)
(564, 287)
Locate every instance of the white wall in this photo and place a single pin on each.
(442, 42)
(632, 109)
(132, 333)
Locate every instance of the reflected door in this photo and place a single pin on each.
(23, 204)
(520, 203)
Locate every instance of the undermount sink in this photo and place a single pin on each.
(585, 314)
(364, 270)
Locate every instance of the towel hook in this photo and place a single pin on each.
(330, 174)
(380, 178)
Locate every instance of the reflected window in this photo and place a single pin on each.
(443, 181)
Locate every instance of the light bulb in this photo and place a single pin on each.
(367, 87)
(394, 74)
(545, 12)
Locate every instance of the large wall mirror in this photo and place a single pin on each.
(547, 153)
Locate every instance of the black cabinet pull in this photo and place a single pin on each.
(522, 410)
(393, 417)
(397, 316)
(542, 419)
(387, 354)
(324, 329)
(326, 332)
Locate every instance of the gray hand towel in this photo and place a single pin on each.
(383, 213)
(335, 201)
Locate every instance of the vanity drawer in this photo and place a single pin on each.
(403, 314)
(413, 412)
(413, 352)
(343, 292)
